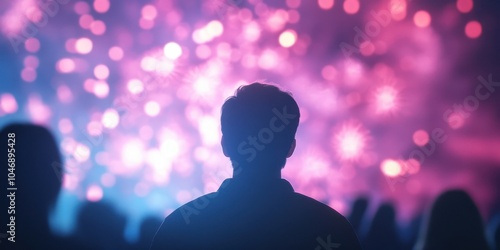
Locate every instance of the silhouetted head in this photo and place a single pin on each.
(101, 226)
(258, 126)
(385, 217)
(359, 206)
(383, 232)
(35, 152)
(358, 212)
(454, 223)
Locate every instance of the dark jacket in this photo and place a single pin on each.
(255, 216)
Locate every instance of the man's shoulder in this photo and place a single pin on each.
(185, 213)
(327, 223)
(312, 203)
(318, 209)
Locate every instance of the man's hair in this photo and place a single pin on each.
(258, 125)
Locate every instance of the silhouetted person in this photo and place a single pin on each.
(37, 181)
(149, 226)
(100, 226)
(412, 231)
(358, 212)
(454, 222)
(256, 209)
(497, 237)
(383, 231)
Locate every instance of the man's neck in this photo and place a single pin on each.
(251, 173)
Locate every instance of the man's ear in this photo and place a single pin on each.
(223, 144)
(292, 148)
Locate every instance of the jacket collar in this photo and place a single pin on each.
(231, 185)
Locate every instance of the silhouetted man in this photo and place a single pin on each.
(30, 195)
(256, 209)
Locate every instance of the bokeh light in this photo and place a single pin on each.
(97, 27)
(83, 45)
(101, 6)
(101, 71)
(351, 6)
(473, 29)
(110, 119)
(149, 12)
(391, 168)
(132, 154)
(28, 74)
(422, 19)
(8, 103)
(172, 50)
(86, 21)
(386, 99)
(135, 86)
(326, 4)
(32, 45)
(115, 53)
(65, 126)
(420, 137)
(65, 65)
(288, 38)
(152, 108)
(101, 89)
(350, 142)
(464, 6)
(397, 9)
(94, 193)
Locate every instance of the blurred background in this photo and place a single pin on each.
(399, 98)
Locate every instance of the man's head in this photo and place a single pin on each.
(258, 126)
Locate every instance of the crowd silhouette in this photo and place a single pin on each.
(453, 221)
(255, 209)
